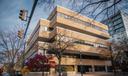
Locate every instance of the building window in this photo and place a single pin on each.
(111, 32)
(99, 68)
(117, 21)
(118, 26)
(116, 17)
(50, 29)
(121, 29)
(109, 69)
(84, 68)
(110, 24)
(90, 44)
(66, 68)
(89, 24)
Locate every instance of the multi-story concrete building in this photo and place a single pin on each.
(118, 29)
(117, 24)
(90, 39)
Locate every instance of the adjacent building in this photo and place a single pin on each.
(118, 29)
(117, 24)
(91, 39)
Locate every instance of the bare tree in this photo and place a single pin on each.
(93, 8)
(11, 46)
(2, 57)
(119, 48)
(59, 46)
(99, 8)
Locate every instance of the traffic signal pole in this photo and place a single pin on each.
(30, 17)
(29, 20)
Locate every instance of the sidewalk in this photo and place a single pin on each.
(104, 74)
(78, 74)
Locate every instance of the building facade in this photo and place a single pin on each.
(117, 24)
(118, 29)
(90, 50)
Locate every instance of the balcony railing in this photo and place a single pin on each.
(76, 48)
(32, 41)
(76, 61)
(81, 27)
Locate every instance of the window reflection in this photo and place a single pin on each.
(89, 24)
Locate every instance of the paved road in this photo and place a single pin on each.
(104, 74)
(88, 74)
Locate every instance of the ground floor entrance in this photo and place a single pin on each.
(93, 68)
(86, 68)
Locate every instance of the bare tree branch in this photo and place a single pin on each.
(10, 45)
(106, 8)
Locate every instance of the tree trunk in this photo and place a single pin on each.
(59, 66)
(113, 66)
(11, 70)
(43, 70)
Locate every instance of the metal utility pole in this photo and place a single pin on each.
(21, 16)
(30, 17)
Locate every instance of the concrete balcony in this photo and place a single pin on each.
(74, 14)
(81, 36)
(76, 61)
(41, 36)
(46, 35)
(32, 41)
(60, 21)
(90, 50)
(86, 49)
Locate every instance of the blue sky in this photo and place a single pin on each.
(9, 13)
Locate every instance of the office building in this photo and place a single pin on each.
(89, 36)
(117, 24)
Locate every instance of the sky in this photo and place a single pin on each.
(9, 13)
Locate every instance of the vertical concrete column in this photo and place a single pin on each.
(93, 68)
(44, 52)
(52, 72)
(75, 68)
(106, 68)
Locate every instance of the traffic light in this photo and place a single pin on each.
(23, 15)
(20, 34)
